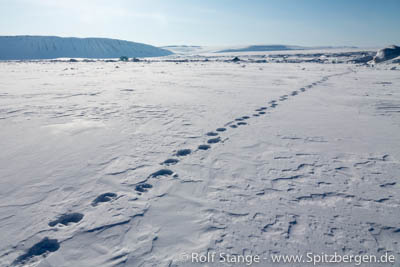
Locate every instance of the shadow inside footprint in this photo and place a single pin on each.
(242, 123)
(170, 161)
(40, 248)
(273, 105)
(294, 93)
(214, 140)
(183, 152)
(67, 218)
(104, 198)
(144, 187)
(256, 115)
(238, 119)
(261, 112)
(221, 130)
(233, 126)
(211, 134)
(204, 147)
(245, 117)
(162, 172)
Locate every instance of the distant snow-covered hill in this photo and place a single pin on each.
(254, 48)
(184, 49)
(47, 47)
(194, 49)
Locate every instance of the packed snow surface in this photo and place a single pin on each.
(147, 163)
(47, 47)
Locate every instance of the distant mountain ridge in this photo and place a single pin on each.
(255, 48)
(49, 47)
(195, 49)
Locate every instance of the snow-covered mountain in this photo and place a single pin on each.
(47, 47)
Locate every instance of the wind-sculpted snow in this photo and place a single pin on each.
(47, 47)
(143, 164)
(387, 53)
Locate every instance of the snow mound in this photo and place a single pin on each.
(387, 53)
(47, 47)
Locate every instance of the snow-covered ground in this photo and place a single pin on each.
(284, 159)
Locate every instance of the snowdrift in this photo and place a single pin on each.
(48, 47)
(387, 53)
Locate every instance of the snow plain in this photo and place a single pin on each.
(293, 158)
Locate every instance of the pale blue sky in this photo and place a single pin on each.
(209, 22)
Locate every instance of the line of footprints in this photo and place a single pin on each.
(47, 245)
(215, 138)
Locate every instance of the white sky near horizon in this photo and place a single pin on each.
(208, 22)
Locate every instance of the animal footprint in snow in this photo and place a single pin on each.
(103, 198)
(170, 161)
(67, 218)
(212, 133)
(183, 152)
(44, 246)
(162, 172)
(204, 147)
(143, 187)
(214, 140)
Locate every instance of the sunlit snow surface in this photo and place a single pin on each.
(305, 159)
